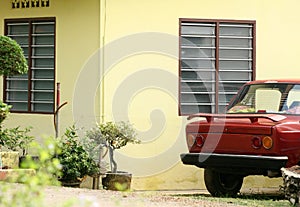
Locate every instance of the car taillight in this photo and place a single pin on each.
(195, 139)
(256, 142)
(190, 140)
(267, 142)
(200, 140)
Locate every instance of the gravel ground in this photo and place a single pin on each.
(57, 196)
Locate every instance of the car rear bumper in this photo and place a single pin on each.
(204, 160)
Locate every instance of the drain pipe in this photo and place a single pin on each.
(102, 33)
(58, 107)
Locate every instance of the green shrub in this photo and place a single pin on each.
(75, 160)
(15, 139)
(12, 59)
(4, 111)
(31, 192)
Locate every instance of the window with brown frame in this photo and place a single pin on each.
(33, 92)
(216, 58)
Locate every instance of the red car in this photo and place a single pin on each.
(258, 135)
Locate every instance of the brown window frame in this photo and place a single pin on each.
(216, 93)
(30, 57)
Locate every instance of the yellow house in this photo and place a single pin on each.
(149, 62)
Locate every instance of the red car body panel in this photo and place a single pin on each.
(227, 135)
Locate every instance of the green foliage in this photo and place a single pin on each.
(30, 193)
(15, 139)
(48, 167)
(4, 111)
(92, 142)
(12, 59)
(75, 160)
(95, 146)
(118, 134)
(113, 135)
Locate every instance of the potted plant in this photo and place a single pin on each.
(114, 136)
(12, 141)
(15, 139)
(75, 160)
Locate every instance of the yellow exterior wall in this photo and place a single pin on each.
(149, 100)
(77, 38)
(275, 26)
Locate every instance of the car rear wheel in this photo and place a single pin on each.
(222, 184)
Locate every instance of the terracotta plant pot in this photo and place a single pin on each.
(119, 181)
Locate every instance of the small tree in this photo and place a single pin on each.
(112, 136)
(12, 62)
(117, 135)
(12, 59)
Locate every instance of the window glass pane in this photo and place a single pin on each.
(224, 99)
(42, 107)
(18, 96)
(232, 65)
(20, 77)
(43, 85)
(193, 109)
(26, 53)
(196, 87)
(43, 63)
(43, 40)
(230, 87)
(198, 75)
(42, 74)
(22, 40)
(232, 42)
(222, 108)
(17, 84)
(197, 52)
(238, 54)
(18, 29)
(196, 98)
(43, 28)
(239, 30)
(205, 64)
(198, 41)
(42, 96)
(43, 51)
(16, 106)
(200, 29)
(234, 76)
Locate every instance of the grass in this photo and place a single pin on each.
(253, 200)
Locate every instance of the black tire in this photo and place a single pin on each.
(222, 184)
